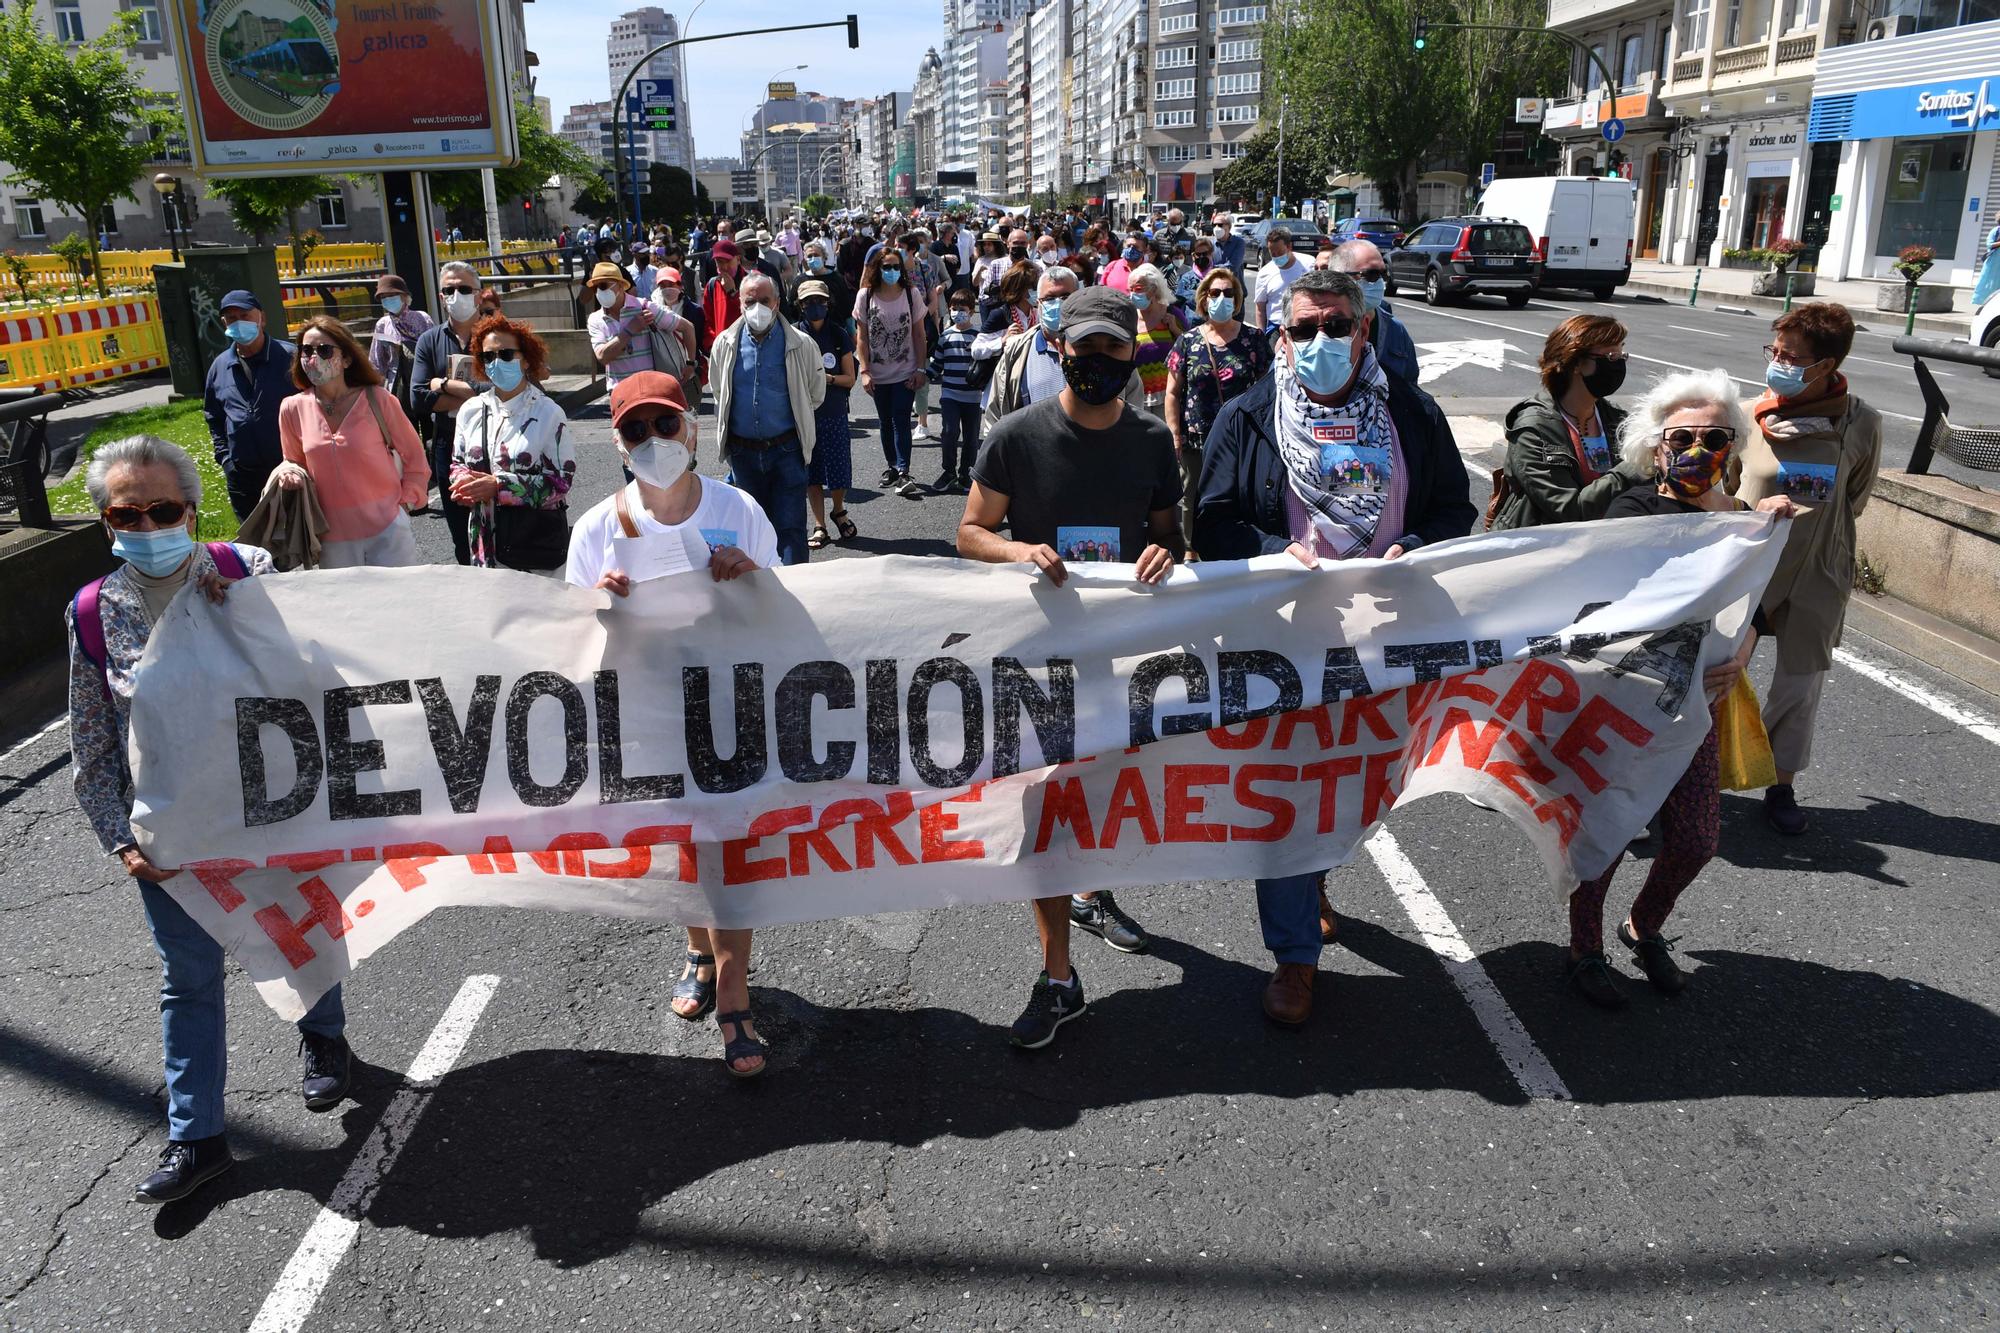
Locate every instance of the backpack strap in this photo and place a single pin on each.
(624, 508)
(88, 616)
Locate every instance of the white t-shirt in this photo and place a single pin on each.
(725, 516)
(1271, 284)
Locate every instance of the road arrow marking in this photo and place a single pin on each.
(1438, 358)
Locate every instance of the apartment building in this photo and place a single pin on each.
(927, 101)
(1206, 72)
(1021, 118)
(796, 145)
(1630, 45)
(1048, 40)
(1113, 118)
(632, 35)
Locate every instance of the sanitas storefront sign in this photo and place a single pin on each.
(1959, 107)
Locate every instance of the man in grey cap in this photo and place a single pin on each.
(246, 382)
(1081, 476)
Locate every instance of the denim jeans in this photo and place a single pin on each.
(893, 403)
(960, 438)
(1288, 910)
(776, 479)
(193, 1040)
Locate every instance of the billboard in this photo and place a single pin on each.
(298, 87)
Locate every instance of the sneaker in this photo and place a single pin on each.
(1101, 917)
(922, 432)
(327, 1066)
(888, 478)
(1049, 1007)
(1781, 810)
(906, 486)
(946, 480)
(965, 481)
(184, 1168)
(1655, 959)
(1591, 977)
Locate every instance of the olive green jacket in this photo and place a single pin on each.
(1548, 481)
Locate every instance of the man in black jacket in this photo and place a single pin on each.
(1328, 458)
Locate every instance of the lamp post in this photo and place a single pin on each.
(169, 186)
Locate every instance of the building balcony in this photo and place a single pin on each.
(1737, 66)
(1596, 13)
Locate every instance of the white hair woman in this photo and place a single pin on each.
(1680, 438)
(148, 495)
(1159, 327)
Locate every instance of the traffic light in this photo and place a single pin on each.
(1419, 31)
(853, 32)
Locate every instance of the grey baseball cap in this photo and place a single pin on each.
(1099, 310)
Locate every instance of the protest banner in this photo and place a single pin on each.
(332, 756)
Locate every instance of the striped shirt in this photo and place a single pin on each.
(951, 366)
(605, 328)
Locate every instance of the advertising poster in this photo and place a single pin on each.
(294, 87)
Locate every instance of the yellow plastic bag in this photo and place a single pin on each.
(1743, 750)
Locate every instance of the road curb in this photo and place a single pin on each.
(1955, 324)
(1952, 649)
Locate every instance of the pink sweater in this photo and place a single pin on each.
(352, 468)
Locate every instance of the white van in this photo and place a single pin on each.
(1582, 226)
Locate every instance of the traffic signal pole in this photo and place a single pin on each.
(620, 154)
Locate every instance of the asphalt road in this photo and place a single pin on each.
(1804, 1140)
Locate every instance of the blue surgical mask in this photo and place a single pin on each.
(506, 375)
(1371, 293)
(159, 552)
(1051, 316)
(1785, 381)
(1133, 254)
(1222, 308)
(961, 316)
(242, 332)
(815, 263)
(892, 275)
(1324, 364)
(1140, 300)
(393, 304)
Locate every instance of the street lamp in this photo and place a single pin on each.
(169, 186)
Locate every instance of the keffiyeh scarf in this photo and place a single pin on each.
(1345, 520)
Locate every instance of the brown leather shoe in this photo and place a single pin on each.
(1288, 998)
(1329, 924)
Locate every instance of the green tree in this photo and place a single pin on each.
(261, 205)
(76, 123)
(819, 205)
(542, 155)
(1492, 69)
(672, 198)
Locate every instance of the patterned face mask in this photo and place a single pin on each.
(1692, 472)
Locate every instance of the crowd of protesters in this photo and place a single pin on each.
(1134, 384)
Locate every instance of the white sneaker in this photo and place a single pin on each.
(922, 432)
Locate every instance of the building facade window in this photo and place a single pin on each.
(28, 218)
(69, 20)
(1694, 26)
(107, 221)
(1923, 196)
(332, 210)
(1247, 14)
(1176, 57)
(1173, 23)
(1232, 150)
(1231, 85)
(1173, 120)
(1173, 90)
(1241, 48)
(1632, 60)
(1235, 115)
(1179, 152)
(149, 20)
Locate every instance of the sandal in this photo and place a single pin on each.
(817, 538)
(848, 531)
(741, 1046)
(692, 987)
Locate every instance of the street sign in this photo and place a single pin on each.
(1528, 110)
(1613, 130)
(1485, 174)
(1833, 205)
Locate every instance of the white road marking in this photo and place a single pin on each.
(1517, 1050)
(1977, 723)
(1487, 353)
(332, 1233)
(56, 725)
(1706, 333)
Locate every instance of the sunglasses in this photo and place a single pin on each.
(1713, 438)
(324, 351)
(1375, 274)
(1340, 326)
(637, 430)
(164, 513)
(459, 291)
(1772, 353)
(499, 354)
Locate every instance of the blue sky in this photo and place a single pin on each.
(726, 79)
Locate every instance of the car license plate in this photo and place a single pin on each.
(1505, 262)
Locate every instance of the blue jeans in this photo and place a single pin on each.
(1288, 910)
(960, 438)
(193, 1040)
(776, 479)
(893, 403)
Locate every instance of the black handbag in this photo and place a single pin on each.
(525, 538)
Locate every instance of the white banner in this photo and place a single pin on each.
(332, 756)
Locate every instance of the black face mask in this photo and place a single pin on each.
(1096, 377)
(1018, 253)
(1606, 379)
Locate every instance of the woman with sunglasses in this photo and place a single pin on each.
(148, 493)
(345, 434)
(1200, 259)
(1211, 364)
(1562, 460)
(668, 502)
(1680, 440)
(1822, 446)
(512, 452)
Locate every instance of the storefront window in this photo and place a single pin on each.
(1764, 210)
(1924, 195)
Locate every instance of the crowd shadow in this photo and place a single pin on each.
(573, 1147)
(1855, 842)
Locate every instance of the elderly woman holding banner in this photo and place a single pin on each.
(147, 493)
(1681, 438)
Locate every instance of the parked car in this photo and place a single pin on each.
(1307, 240)
(1382, 231)
(1986, 325)
(1467, 256)
(1582, 226)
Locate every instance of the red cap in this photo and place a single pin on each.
(648, 388)
(725, 249)
(670, 277)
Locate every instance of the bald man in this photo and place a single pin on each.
(1394, 347)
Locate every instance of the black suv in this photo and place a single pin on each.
(1453, 257)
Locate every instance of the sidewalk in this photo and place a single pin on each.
(1731, 286)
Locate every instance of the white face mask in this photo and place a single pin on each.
(460, 305)
(607, 297)
(759, 317)
(658, 462)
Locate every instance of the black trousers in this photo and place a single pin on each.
(456, 515)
